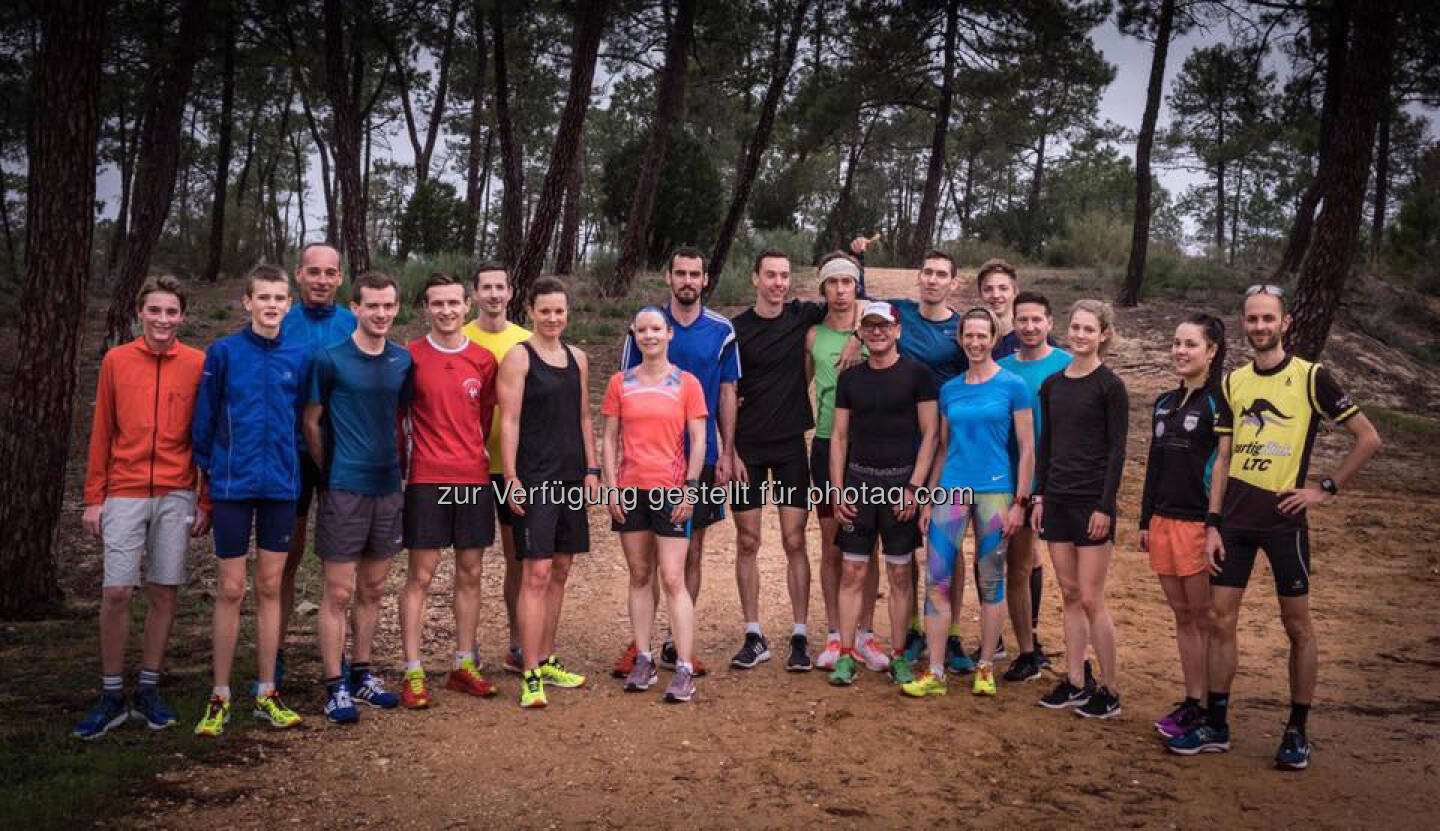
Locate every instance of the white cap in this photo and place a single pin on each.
(879, 308)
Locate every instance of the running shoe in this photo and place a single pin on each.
(868, 650)
(1040, 654)
(668, 658)
(1181, 720)
(682, 687)
(914, 645)
(926, 684)
(1000, 652)
(984, 680)
(799, 660)
(900, 671)
(1024, 668)
(149, 706)
(514, 661)
(532, 690)
(827, 657)
(1102, 704)
(1294, 752)
(414, 694)
(844, 673)
(555, 674)
(370, 689)
(625, 664)
(754, 651)
(107, 714)
(340, 705)
(956, 660)
(1203, 739)
(467, 679)
(270, 708)
(217, 715)
(642, 674)
(1067, 694)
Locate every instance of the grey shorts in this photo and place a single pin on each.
(153, 528)
(349, 526)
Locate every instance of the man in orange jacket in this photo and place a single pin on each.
(140, 497)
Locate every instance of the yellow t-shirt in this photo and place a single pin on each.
(498, 343)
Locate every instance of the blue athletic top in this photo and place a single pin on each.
(931, 343)
(705, 349)
(362, 395)
(980, 418)
(1033, 373)
(317, 326)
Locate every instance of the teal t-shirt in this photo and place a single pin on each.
(980, 418)
(1033, 373)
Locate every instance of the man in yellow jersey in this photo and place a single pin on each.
(491, 330)
(1269, 412)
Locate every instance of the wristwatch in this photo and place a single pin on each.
(1328, 485)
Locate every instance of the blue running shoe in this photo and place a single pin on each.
(340, 707)
(370, 689)
(149, 706)
(914, 646)
(108, 713)
(1203, 739)
(956, 660)
(1294, 753)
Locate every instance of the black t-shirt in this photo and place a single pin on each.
(1182, 451)
(1082, 440)
(884, 426)
(774, 395)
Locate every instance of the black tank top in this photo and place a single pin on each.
(551, 448)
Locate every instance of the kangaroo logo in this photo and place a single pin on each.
(1262, 412)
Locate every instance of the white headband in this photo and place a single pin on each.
(839, 267)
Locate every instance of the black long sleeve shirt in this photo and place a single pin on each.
(1082, 442)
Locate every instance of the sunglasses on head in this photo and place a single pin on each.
(1265, 288)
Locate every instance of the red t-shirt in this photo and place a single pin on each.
(450, 413)
(652, 425)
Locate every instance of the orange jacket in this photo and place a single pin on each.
(140, 442)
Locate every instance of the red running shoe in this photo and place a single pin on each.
(467, 679)
(414, 695)
(626, 662)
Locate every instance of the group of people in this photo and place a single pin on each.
(928, 422)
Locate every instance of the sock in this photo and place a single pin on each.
(222, 692)
(1037, 584)
(264, 688)
(954, 630)
(461, 658)
(1190, 701)
(1298, 714)
(359, 669)
(685, 665)
(917, 625)
(938, 670)
(113, 685)
(1217, 707)
(331, 683)
(149, 679)
(752, 628)
(798, 629)
(414, 666)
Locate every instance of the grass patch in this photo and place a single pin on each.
(1173, 275)
(1394, 422)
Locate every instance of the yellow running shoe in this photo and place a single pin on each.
(414, 695)
(926, 684)
(217, 714)
(555, 674)
(984, 679)
(532, 690)
(270, 708)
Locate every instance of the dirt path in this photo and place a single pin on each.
(765, 748)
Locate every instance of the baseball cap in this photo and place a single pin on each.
(881, 309)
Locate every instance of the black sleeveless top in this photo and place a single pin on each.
(551, 448)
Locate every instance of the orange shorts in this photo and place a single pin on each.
(1177, 547)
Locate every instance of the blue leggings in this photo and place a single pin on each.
(947, 537)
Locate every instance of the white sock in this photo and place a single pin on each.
(411, 666)
(264, 688)
(685, 665)
(798, 629)
(222, 692)
(938, 670)
(752, 628)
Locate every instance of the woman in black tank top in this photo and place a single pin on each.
(547, 448)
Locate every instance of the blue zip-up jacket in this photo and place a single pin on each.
(245, 428)
(316, 327)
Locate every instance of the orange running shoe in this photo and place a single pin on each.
(467, 679)
(626, 662)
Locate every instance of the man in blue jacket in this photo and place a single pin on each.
(244, 440)
(317, 321)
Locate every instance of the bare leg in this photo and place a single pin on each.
(1077, 628)
(469, 569)
(269, 576)
(1189, 599)
(513, 573)
(673, 556)
(1221, 655)
(555, 599)
(747, 570)
(902, 582)
(412, 599)
(1093, 564)
(334, 607)
(534, 589)
(159, 620)
(225, 623)
(1019, 564)
(369, 590)
(1304, 654)
(114, 628)
(641, 563)
(797, 561)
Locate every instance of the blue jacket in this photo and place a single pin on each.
(317, 326)
(245, 428)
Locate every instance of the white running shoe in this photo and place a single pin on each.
(827, 658)
(868, 650)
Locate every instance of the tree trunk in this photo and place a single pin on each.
(1365, 90)
(344, 68)
(564, 153)
(59, 229)
(118, 233)
(12, 263)
(1382, 181)
(323, 151)
(474, 185)
(512, 202)
(298, 154)
(1033, 234)
(155, 178)
(1337, 36)
(222, 150)
(781, 63)
(1237, 188)
(669, 112)
(833, 232)
(570, 217)
(1140, 232)
(1220, 207)
(930, 199)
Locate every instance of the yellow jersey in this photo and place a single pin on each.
(498, 343)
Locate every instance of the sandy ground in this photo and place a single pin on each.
(767, 748)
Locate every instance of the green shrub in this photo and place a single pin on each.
(970, 252)
(1170, 273)
(1092, 240)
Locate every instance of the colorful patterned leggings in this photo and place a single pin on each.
(947, 536)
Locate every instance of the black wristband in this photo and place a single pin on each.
(592, 471)
(1212, 520)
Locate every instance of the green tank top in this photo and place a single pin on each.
(823, 352)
